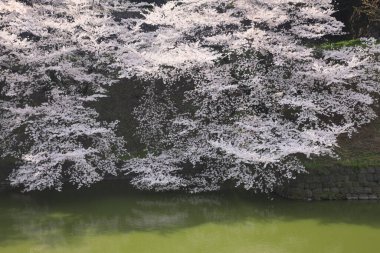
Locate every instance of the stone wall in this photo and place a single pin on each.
(360, 17)
(334, 183)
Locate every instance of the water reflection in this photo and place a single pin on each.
(54, 219)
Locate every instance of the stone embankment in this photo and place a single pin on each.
(4, 186)
(334, 184)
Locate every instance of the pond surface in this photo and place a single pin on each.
(127, 221)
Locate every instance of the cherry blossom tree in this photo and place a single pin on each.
(267, 98)
(246, 90)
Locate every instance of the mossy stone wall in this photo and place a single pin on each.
(334, 184)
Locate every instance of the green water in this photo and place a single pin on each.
(127, 221)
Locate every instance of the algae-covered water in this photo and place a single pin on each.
(111, 221)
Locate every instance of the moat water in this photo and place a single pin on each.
(111, 221)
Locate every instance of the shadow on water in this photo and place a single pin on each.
(55, 218)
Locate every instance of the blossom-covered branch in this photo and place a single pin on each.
(244, 90)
